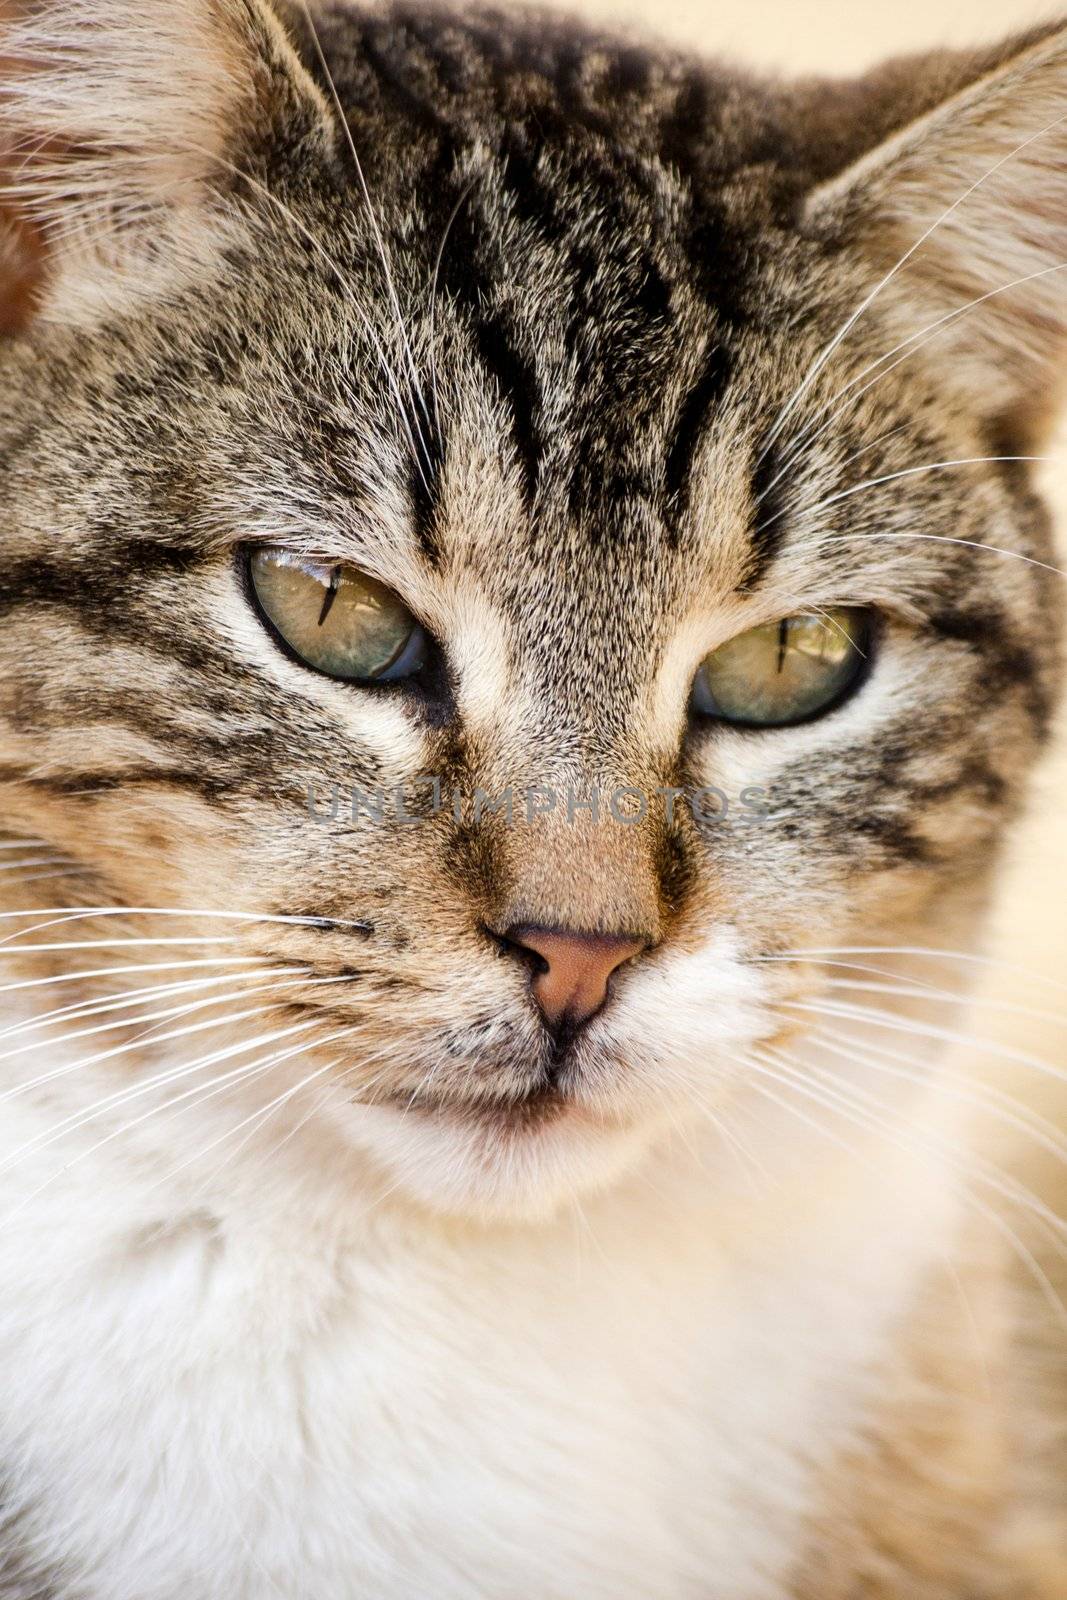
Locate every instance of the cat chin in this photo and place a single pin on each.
(496, 1166)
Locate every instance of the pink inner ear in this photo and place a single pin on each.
(21, 270)
(21, 247)
(113, 114)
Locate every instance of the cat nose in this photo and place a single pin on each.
(570, 980)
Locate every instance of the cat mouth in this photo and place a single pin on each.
(542, 1107)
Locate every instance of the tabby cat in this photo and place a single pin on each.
(526, 622)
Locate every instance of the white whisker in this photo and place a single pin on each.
(379, 239)
(216, 1086)
(141, 1088)
(910, 346)
(887, 1019)
(66, 914)
(252, 1122)
(868, 300)
(34, 861)
(68, 1068)
(983, 1097)
(929, 992)
(126, 968)
(927, 952)
(432, 318)
(844, 1093)
(893, 477)
(101, 1005)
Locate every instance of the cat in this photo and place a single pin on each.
(541, 1177)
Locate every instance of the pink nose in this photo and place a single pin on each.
(570, 981)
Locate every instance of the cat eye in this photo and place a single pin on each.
(336, 619)
(787, 671)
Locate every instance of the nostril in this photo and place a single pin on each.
(570, 970)
(514, 947)
(537, 963)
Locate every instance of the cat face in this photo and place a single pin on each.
(576, 365)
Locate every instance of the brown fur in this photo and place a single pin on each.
(926, 1506)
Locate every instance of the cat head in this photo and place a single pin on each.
(532, 536)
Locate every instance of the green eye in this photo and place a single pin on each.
(787, 671)
(336, 620)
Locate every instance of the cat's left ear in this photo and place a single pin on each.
(962, 218)
(127, 129)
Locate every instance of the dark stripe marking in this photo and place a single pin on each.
(517, 382)
(768, 517)
(689, 429)
(424, 478)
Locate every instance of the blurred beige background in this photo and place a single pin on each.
(844, 36)
(838, 36)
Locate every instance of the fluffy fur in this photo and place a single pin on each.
(327, 1271)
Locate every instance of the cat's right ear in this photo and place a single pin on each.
(127, 127)
(960, 220)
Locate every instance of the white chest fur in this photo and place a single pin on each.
(254, 1386)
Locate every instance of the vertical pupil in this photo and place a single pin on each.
(330, 596)
(783, 640)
